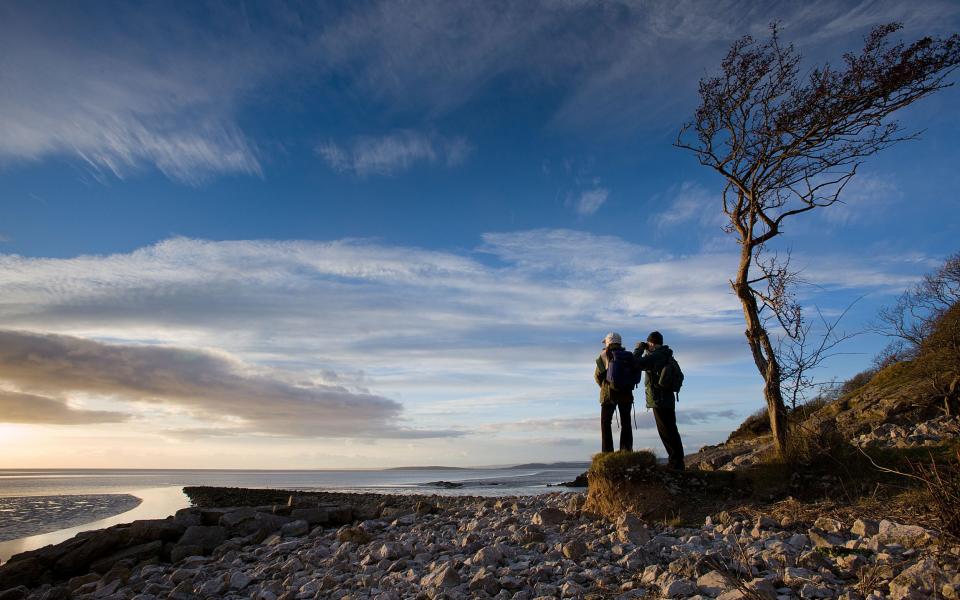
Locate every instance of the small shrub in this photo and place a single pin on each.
(616, 465)
(753, 426)
(943, 484)
(810, 445)
(857, 381)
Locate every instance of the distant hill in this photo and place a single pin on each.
(556, 465)
(427, 467)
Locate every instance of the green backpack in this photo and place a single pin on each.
(671, 377)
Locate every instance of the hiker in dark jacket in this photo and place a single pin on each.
(614, 399)
(651, 356)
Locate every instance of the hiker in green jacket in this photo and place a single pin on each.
(651, 356)
(614, 399)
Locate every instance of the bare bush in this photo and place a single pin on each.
(911, 319)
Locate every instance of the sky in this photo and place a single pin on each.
(372, 234)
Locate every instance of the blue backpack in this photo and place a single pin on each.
(622, 371)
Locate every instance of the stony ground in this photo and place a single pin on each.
(739, 454)
(32, 515)
(546, 547)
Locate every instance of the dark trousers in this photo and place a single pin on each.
(606, 428)
(666, 418)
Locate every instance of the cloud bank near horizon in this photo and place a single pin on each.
(228, 396)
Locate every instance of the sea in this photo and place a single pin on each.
(161, 489)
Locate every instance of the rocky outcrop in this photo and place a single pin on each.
(934, 432)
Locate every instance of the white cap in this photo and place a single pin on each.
(612, 338)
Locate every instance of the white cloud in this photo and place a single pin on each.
(394, 152)
(213, 387)
(521, 317)
(863, 200)
(591, 200)
(444, 342)
(17, 407)
(688, 202)
(79, 83)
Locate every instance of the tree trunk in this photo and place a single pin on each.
(763, 352)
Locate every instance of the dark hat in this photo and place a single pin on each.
(656, 337)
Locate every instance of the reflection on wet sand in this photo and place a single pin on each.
(157, 503)
(22, 516)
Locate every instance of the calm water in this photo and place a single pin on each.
(162, 495)
(16, 482)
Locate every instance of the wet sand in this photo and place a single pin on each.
(24, 516)
(44, 520)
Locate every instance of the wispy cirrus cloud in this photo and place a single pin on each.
(865, 198)
(590, 201)
(94, 84)
(688, 203)
(617, 64)
(125, 89)
(395, 152)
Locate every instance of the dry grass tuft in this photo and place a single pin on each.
(618, 465)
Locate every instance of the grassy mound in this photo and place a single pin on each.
(621, 464)
(633, 482)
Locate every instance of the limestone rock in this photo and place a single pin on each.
(865, 528)
(762, 587)
(921, 580)
(484, 580)
(630, 529)
(296, 528)
(910, 536)
(823, 539)
(313, 516)
(207, 537)
(713, 583)
(549, 517)
(182, 551)
(678, 587)
(829, 525)
(487, 556)
(239, 580)
(353, 534)
(574, 549)
(443, 576)
(134, 553)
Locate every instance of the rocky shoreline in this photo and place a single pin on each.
(393, 547)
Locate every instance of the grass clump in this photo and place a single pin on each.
(617, 465)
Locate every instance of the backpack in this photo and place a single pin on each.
(621, 371)
(671, 377)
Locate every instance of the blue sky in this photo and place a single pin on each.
(383, 233)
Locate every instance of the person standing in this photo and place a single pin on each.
(616, 376)
(652, 356)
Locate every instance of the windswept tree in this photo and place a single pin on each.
(787, 143)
